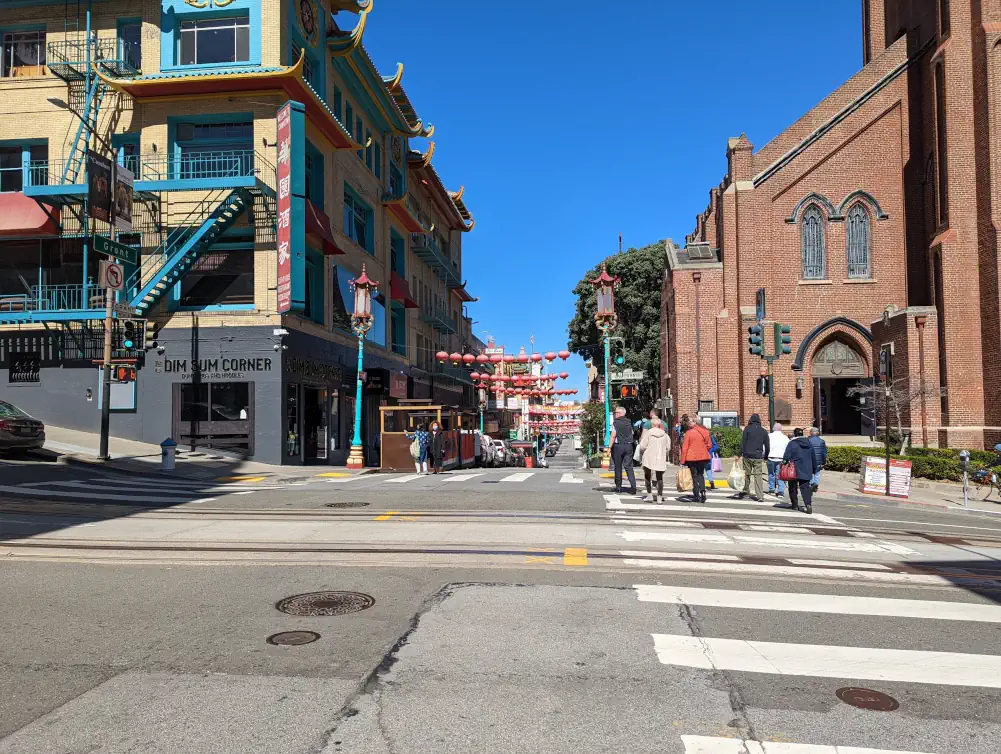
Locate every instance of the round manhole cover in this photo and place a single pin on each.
(345, 505)
(325, 603)
(293, 638)
(867, 699)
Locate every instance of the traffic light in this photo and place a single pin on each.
(763, 386)
(129, 334)
(618, 352)
(124, 373)
(629, 391)
(783, 339)
(755, 342)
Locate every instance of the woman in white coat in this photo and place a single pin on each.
(655, 446)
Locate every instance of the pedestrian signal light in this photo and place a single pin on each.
(783, 339)
(755, 341)
(763, 387)
(629, 391)
(124, 373)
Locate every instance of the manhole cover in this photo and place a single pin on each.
(867, 699)
(325, 603)
(345, 505)
(293, 638)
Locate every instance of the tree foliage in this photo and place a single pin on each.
(592, 424)
(637, 304)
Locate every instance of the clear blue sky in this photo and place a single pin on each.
(569, 121)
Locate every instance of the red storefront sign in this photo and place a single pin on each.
(397, 385)
(284, 208)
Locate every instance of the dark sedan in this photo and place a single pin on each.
(19, 430)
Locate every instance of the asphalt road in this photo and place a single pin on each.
(532, 613)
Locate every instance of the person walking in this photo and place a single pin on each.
(713, 455)
(777, 442)
(655, 444)
(622, 450)
(754, 449)
(437, 447)
(423, 440)
(819, 448)
(695, 454)
(801, 455)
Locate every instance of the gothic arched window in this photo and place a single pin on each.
(814, 246)
(857, 242)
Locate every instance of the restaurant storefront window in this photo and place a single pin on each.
(292, 446)
(217, 415)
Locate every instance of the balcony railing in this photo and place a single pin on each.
(425, 246)
(53, 298)
(439, 320)
(230, 163)
(67, 58)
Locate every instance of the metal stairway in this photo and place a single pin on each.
(88, 124)
(182, 248)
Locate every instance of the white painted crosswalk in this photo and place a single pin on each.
(714, 745)
(519, 477)
(570, 479)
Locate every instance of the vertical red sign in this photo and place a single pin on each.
(284, 209)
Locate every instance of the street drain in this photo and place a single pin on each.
(293, 638)
(867, 699)
(325, 603)
(345, 505)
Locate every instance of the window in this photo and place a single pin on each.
(378, 161)
(13, 160)
(398, 324)
(397, 254)
(314, 175)
(857, 241)
(341, 299)
(357, 220)
(814, 245)
(314, 287)
(23, 54)
(308, 69)
(127, 151)
(942, 160)
(215, 415)
(337, 103)
(220, 278)
(395, 180)
(214, 150)
(211, 41)
(359, 130)
(130, 43)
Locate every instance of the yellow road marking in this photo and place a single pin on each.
(534, 559)
(334, 474)
(388, 515)
(606, 476)
(241, 479)
(575, 556)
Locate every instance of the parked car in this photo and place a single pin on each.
(19, 430)
(500, 455)
(551, 450)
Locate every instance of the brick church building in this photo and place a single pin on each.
(871, 220)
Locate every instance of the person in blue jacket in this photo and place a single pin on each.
(801, 455)
(424, 442)
(819, 448)
(713, 454)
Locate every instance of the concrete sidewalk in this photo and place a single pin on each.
(73, 446)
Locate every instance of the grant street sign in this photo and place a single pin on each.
(626, 375)
(104, 245)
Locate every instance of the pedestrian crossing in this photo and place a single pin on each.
(120, 490)
(848, 645)
(454, 477)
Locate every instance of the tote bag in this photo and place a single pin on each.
(736, 478)
(415, 449)
(717, 465)
(684, 481)
(787, 472)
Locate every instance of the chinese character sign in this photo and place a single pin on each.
(284, 209)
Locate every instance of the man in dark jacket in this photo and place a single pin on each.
(800, 453)
(754, 449)
(819, 449)
(622, 450)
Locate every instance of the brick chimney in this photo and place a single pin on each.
(740, 155)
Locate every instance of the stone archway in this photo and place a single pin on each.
(837, 366)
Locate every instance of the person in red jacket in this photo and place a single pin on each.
(695, 454)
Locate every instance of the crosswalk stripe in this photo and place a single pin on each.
(520, 477)
(462, 477)
(167, 490)
(96, 495)
(769, 570)
(701, 555)
(825, 661)
(403, 479)
(669, 524)
(815, 543)
(570, 479)
(819, 603)
(711, 745)
(614, 504)
(854, 564)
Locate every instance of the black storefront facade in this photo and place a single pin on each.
(242, 391)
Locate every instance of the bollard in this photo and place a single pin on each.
(167, 450)
(964, 463)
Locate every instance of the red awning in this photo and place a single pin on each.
(463, 295)
(21, 215)
(401, 291)
(318, 230)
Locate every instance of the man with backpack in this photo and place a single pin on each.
(754, 450)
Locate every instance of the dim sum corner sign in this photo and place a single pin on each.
(215, 369)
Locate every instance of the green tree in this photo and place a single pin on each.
(637, 304)
(592, 424)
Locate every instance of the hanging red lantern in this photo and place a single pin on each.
(522, 358)
(496, 358)
(442, 356)
(564, 355)
(474, 375)
(455, 358)
(564, 375)
(468, 359)
(536, 357)
(482, 359)
(550, 356)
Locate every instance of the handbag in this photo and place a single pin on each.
(787, 472)
(684, 480)
(637, 454)
(415, 449)
(736, 478)
(717, 465)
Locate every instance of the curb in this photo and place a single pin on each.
(899, 503)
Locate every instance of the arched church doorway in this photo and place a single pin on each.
(836, 368)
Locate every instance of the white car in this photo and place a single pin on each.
(500, 455)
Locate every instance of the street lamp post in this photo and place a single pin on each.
(361, 323)
(482, 390)
(605, 319)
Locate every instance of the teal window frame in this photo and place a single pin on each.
(358, 214)
(175, 12)
(378, 161)
(359, 130)
(397, 254)
(314, 175)
(127, 150)
(349, 125)
(241, 152)
(368, 149)
(315, 305)
(120, 43)
(398, 328)
(25, 146)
